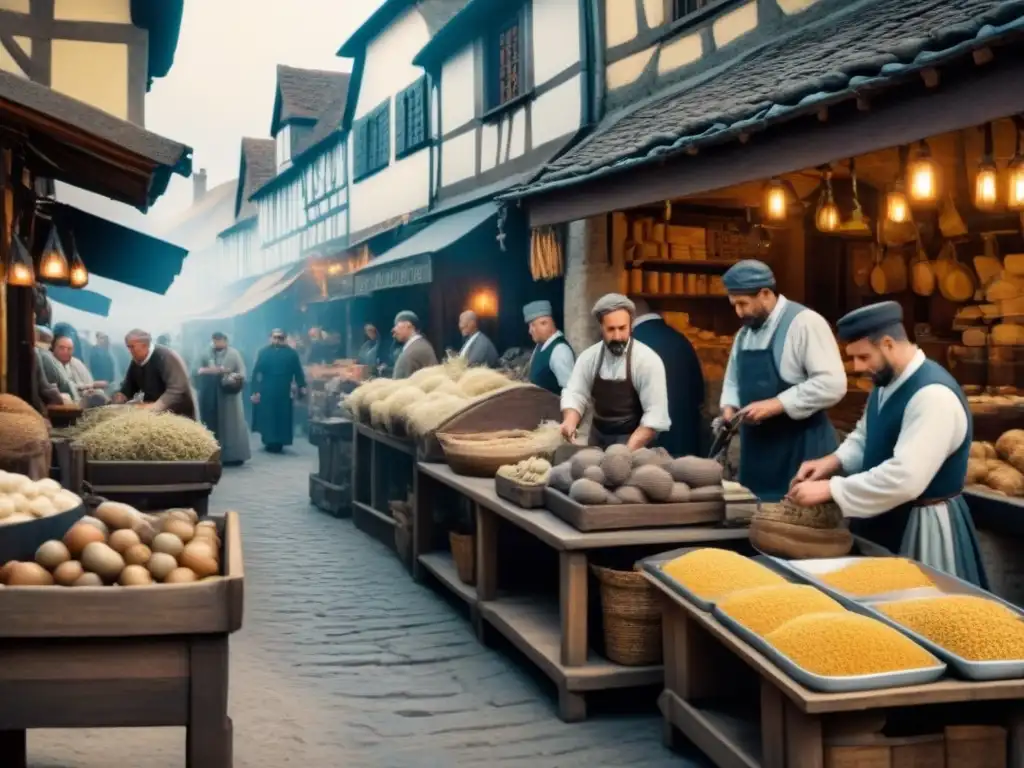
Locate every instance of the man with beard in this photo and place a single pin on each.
(552, 360)
(622, 379)
(784, 373)
(416, 351)
(900, 473)
(277, 367)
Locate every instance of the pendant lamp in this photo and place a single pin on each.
(20, 271)
(78, 275)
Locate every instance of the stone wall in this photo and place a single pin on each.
(588, 276)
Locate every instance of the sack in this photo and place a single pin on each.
(232, 383)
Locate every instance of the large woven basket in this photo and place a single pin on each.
(480, 454)
(464, 554)
(794, 532)
(632, 617)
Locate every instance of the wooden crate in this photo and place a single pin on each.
(617, 517)
(108, 657)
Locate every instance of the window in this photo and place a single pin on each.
(411, 118)
(506, 55)
(681, 8)
(284, 146)
(371, 138)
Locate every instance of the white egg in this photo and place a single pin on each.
(20, 503)
(41, 506)
(65, 500)
(48, 487)
(94, 521)
(6, 507)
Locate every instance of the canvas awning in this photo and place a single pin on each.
(258, 293)
(410, 262)
(119, 253)
(81, 299)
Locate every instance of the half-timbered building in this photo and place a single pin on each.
(239, 254)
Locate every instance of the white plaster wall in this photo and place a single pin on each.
(488, 147)
(458, 90)
(388, 67)
(557, 112)
(556, 37)
(458, 158)
(518, 128)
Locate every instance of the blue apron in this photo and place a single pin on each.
(771, 452)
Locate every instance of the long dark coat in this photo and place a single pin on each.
(275, 370)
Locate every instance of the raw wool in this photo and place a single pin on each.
(712, 573)
(355, 400)
(141, 435)
(540, 442)
(628, 494)
(13, 404)
(423, 374)
(481, 381)
(424, 416)
(765, 609)
(22, 436)
(846, 644)
(431, 383)
(455, 366)
(696, 472)
(655, 482)
(449, 387)
(616, 468)
(561, 477)
(594, 473)
(588, 457)
(877, 575)
(397, 403)
(93, 417)
(971, 627)
(586, 492)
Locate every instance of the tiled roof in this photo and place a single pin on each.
(378, 21)
(259, 156)
(329, 120)
(437, 13)
(452, 23)
(867, 43)
(304, 93)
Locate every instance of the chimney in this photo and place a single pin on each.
(198, 185)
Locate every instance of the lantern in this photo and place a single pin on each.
(897, 206)
(923, 177)
(776, 201)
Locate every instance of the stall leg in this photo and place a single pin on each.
(486, 565)
(13, 749)
(572, 592)
(804, 748)
(572, 707)
(773, 726)
(209, 735)
(1016, 728)
(422, 522)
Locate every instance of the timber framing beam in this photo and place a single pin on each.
(22, 59)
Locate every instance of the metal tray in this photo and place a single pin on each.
(825, 684)
(945, 584)
(653, 565)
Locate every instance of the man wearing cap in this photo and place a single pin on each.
(416, 351)
(683, 376)
(784, 372)
(621, 378)
(477, 348)
(552, 359)
(900, 473)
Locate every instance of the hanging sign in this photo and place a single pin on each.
(412, 271)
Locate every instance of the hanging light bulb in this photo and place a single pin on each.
(897, 206)
(53, 263)
(776, 200)
(923, 176)
(986, 182)
(20, 273)
(827, 219)
(1015, 175)
(78, 275)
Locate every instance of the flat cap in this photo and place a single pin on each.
(536, 309)
(748, 276)
(612, 302)
(869, 320)
(405, 316)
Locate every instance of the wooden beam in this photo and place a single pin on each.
(38, 27)
(930, 76)
(22, 59)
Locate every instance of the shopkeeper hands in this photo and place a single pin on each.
(119, 399)
(817, 469)
(762, 410)
(811, 492)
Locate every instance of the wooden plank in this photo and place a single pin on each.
(773, 726)
(728, 741)
(208, 738)
(403, 446)
(110, 703)
(561, 536)
(422, 520)
(1016, 737)
(617, 517)
(54, 660)
(442, 566)
(379, 516)
(486, 553)
(573, 605)
(804, 745)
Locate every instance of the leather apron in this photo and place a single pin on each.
(617, 408)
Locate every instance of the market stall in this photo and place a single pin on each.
(836, 662)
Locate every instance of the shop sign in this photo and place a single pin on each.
(413, 271)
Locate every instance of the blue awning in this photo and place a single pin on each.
(118, 253)
(409, 262)
(80, 298)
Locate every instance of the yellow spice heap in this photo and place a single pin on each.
(846, 644)
(713, 573)
(877, 575)
(765, 609)
(971, 627)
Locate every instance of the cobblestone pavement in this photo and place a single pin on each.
(345, 662)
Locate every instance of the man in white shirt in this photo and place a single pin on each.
(622, 379)
(900, 473)
(552, 359)
(477, 349)
(784, 373)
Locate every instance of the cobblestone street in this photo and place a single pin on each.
(344, 661)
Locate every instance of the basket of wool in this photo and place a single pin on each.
(482, 454)
(24, 439)
(795, 532)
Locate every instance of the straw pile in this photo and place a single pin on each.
(136, 434)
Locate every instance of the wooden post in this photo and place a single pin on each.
(573, 605)
(208, 737)
(6, 214)
(13, 749)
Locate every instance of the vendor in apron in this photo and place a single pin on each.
(784, 372)
(552, 359)
(900, 473)
(621, 379)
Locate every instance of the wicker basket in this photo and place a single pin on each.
(464, 554)
(632, 617)
(475, 455)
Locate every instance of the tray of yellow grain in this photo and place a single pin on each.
(704, 575)
(842, 652)
(979, 635)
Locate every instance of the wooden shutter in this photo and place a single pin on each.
(417, 113)
(383, 136)
(403, 138)
(360, 150)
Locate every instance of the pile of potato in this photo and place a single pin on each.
(621, 476)
(999, 466)
(121, 546)
(23, 499)
(532, 471)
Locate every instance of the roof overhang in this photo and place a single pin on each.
(81, 299)
(463, 27)
(373, 26)
(240, 225)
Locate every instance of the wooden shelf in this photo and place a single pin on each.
(729, 739)
(703, 267)
(679, 297)
(404, 446)
(382, 517)
(533, 626)
(442, 566)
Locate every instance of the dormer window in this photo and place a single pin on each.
(505, 51)
(284, 147)
(683, 8)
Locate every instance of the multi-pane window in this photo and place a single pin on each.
(506, 62)
(411, 120)
(371, 139)
(683, 8)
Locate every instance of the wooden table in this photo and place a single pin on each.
(703, 660)
(553, 636)
(380, 463)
